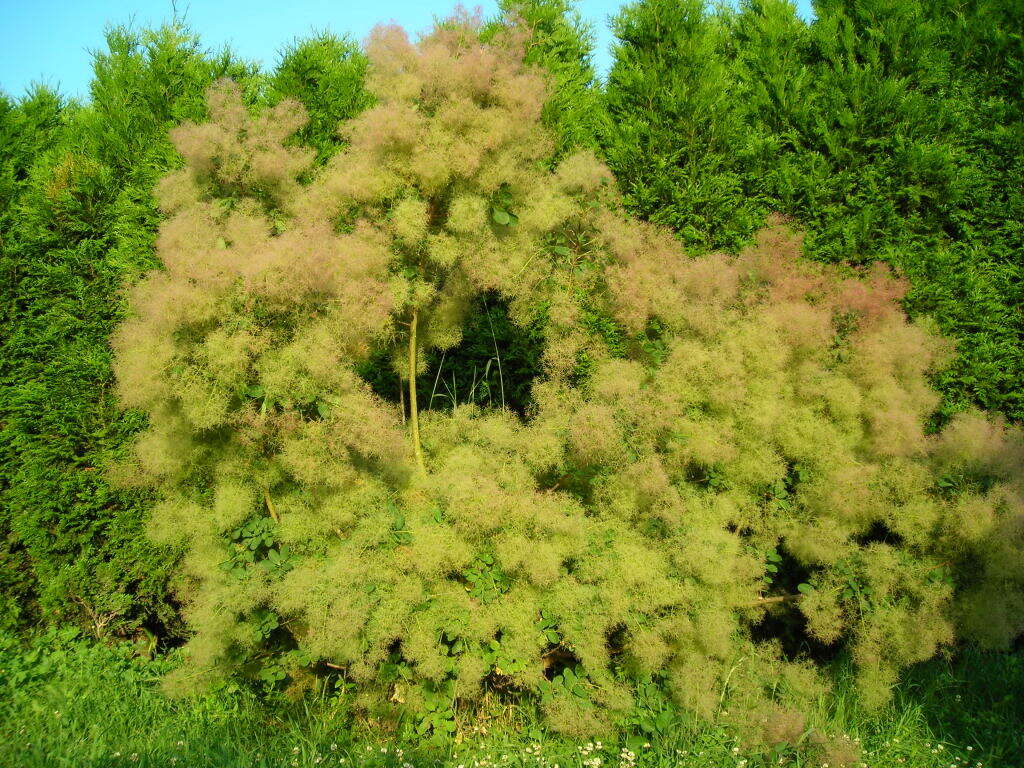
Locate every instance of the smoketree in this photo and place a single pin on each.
(710, 440)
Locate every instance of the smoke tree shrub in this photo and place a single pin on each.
(712, 443)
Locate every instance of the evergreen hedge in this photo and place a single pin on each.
(79, 223)
(888, 130)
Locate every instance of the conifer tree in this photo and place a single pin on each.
(562, 43)
(709, 440)
(880, 128)
(80, 223)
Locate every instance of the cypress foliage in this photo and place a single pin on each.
(27, 128)
(80, 223)
(884, 128)
(326, 75)
(562, 43)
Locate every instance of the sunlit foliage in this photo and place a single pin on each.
(887, 130)
(712, 443)
(77, 221)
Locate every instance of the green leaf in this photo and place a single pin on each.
(804, 589)
(501, 217)
(635, 744)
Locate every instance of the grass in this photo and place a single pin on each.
(66, 701)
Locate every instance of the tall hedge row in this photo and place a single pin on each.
(79, 222)
(888, 130)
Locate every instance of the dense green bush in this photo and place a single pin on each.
(561, 43)
(79, 223)
(709, 445)
(684, 535)
(889, 130)
(325, 74)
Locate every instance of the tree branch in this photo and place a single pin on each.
(414, 416)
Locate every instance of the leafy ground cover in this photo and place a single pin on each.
(68, 701)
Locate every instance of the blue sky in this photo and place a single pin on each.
(50, 41)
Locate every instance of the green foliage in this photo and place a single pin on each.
(66, 701)
(80, 223)
(881, 128)
(325, 74)
(561, 42)
(27, 128)
(648, 480)
(678, 139)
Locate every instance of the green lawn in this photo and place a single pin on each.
(66, 701)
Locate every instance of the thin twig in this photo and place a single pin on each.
(401, 399)
(494, 340)
(472, 388)
(774, 599)
(270, 505)
(487, 378)
(414, 417)
(438, 376)
(559, 481)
